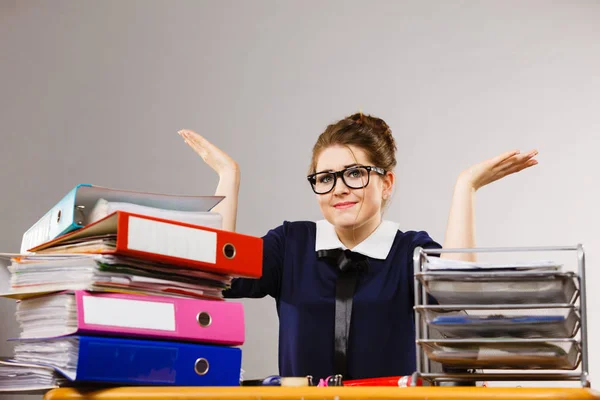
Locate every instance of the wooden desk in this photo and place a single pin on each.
(321, 393)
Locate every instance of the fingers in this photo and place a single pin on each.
(211, 154)
(523, 165)
(517, 161)
(193, 137)
(511, 157)
(195, 141)
(514, 168)
(187, 132)
(198, 140)
(503, 157)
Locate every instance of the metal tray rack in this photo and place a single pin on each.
(512, 338)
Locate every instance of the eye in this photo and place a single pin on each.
(325, 178)
(354, 173)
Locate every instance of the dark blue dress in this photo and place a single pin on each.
(382, 332)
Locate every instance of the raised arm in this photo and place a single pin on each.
(273, 241)
(460, 231)
(228, 171)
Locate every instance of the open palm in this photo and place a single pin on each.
(498, 167)
(216, 158)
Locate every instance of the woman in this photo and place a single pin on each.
(344, 285)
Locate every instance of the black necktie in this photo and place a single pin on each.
(350, 265)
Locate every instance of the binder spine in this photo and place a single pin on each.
(193, 320)
(176, 243)
(59, 220)
(145, 362)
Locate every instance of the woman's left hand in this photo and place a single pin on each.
(498, 167)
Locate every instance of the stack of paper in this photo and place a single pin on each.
(441, 264)
(103, 208)
(22, 377)
(122, 287)
(36, 274)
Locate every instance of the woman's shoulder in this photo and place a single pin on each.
(296, 225)
(416, 238)
(293, 229)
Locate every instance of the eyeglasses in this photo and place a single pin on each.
(354, 177)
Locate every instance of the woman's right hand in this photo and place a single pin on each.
(229, 176)
(211, 154)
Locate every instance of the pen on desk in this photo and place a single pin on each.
(399, 381)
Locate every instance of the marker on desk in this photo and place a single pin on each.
(332, 380)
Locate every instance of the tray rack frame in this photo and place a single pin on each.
(422, 332)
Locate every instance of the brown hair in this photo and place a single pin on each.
(370, 134)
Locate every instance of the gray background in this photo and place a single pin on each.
(95, 91)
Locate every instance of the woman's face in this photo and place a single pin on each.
(346, 207)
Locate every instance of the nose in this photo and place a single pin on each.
(340, 187)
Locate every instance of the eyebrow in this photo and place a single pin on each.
(345, 166)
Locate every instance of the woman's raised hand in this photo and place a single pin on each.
(498, 167)
(216, 158)
(229, 175)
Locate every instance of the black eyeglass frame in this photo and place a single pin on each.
(312, 177)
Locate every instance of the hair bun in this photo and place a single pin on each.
(378, 127)
(357, 118)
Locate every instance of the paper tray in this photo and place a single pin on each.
(494, 354)
(552, 323)
(499, 288)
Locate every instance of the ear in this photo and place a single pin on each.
(388, 184)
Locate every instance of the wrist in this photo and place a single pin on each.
(465, 182)
(229, 182)
(231, 172)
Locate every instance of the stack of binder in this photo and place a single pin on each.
(117, 287)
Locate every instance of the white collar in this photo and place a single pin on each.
(377, 245)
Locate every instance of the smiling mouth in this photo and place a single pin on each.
(341, 206)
